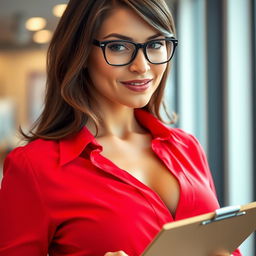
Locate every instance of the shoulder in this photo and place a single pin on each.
(180, 136)
(38, 147)
(38, 151)
(187, 144)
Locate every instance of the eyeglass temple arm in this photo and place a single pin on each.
(96, 42)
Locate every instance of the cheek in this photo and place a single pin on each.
(96, 64)
(99, 71)
(161, 68)
(159, 71)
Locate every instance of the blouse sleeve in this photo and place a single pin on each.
(209, 175)
(23, 216)
(205, 163)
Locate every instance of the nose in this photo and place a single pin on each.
(140, 64)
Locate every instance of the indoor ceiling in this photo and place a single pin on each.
(13, 15)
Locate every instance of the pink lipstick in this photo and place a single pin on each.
(139, 85)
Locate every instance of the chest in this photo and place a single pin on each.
(141, 162)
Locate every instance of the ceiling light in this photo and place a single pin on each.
(35, 23)
(42, 36)
(59, 9)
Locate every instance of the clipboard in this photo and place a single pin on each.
(222, 230)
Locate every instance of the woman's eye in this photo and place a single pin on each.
(116, 47)
(155, 45)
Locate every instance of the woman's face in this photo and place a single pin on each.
(131, 85)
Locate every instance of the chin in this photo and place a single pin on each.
(138, 103)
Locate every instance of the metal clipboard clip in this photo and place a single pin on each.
(225, 213)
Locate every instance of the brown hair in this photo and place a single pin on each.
(68, 93)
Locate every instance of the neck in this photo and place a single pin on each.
(119, 122)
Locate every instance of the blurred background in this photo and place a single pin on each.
(211, 86)
(26, 28)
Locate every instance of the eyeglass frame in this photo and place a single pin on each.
(143, 46)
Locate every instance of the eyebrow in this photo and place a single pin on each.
(129, 38)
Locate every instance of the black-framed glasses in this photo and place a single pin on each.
(123, 52)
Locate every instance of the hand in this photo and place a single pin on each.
(221, 253)
(119, 253)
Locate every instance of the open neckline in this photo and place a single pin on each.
(123, 175)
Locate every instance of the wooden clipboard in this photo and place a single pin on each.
(225, 229)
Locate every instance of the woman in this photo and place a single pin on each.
(101, 174)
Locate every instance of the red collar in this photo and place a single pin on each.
(152, 124)
(72, 146)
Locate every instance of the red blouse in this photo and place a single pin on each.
(64, 198)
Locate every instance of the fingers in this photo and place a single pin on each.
(119, 253)
(222, 253)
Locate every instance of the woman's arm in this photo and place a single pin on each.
(23, 215)
(211, 182)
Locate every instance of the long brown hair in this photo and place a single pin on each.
(68, 91)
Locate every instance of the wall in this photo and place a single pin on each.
(16, 69)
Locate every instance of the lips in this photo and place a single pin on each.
(137, 85)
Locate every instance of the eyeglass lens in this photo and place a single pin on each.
(121, 53)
